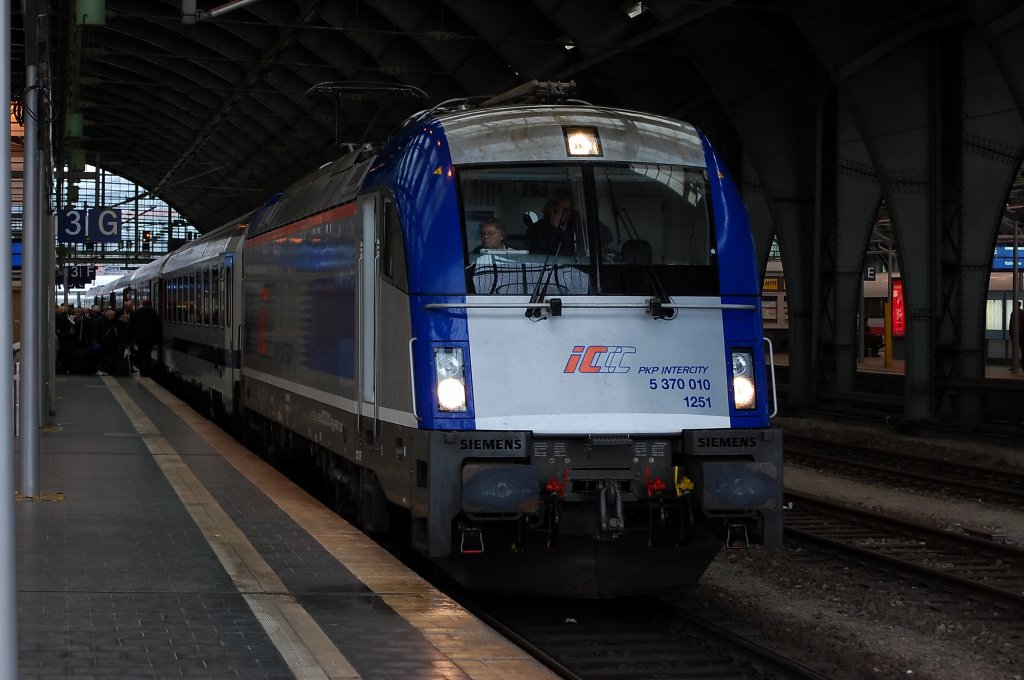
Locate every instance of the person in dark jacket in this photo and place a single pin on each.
(109, 336)
(555, 232)
(64, 329)
(146, 331)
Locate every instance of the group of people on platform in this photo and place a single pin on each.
(93, 341)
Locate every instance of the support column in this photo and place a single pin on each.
(31, 286)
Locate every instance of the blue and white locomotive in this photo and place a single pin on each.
(581, 410)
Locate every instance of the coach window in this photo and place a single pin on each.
(192, 297)
(215, 296)
(197, 296)
(227, 295)
(179, 300)
(207, 301)
(168, 301)
(197, 299)
(393, 249)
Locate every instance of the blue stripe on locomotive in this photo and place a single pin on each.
(416, 167)
(738, 282)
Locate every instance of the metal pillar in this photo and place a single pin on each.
(8, 580)
(31, 279)
(1015, 357)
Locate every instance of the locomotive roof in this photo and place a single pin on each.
(537, 133)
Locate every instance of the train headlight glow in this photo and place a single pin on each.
(451, 395)
(450, 377)
(582, 141)
(744, 392)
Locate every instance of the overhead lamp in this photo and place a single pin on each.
(582, 141)
(90, 12)
(73, 125)
(76, 163)
(634, 9)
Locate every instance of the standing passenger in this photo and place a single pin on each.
(1016, 316)
(145, 328)
(64, 331)
(106, 339)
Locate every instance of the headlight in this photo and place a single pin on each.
(740, 363)
(744, 392)
(451, 395)
(450, 378)
(448, 365)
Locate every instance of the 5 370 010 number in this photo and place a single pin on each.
(679, 384)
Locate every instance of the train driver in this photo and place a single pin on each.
(492, 236)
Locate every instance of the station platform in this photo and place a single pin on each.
(877, 364)
(159, 547)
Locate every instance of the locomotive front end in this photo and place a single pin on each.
(596, 395)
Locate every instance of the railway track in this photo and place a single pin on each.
(982, 567)
(922, 472)
(640, 637)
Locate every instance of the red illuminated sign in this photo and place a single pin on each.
(898, 308)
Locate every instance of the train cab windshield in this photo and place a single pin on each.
(616, 229)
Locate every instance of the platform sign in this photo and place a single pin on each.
(78, 275)
(1002, 258)
(98, 225)
(869, 273)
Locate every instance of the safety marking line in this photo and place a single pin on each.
(306, 649)
(477, 650)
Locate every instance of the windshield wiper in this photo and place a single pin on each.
(543, 280)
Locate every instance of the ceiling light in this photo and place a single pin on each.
(634, 9)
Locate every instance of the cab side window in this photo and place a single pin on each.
(393, 248)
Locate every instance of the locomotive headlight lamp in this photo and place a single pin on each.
(581, 141)
(740, 363)
(450, 377)
(448, 361)
(744, 393)
(451, 395)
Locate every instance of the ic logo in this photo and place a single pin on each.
(598, 359)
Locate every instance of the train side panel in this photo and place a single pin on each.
(197, 307)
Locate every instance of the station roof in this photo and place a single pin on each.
(214, 106)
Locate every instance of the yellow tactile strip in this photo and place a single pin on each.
(306, 649)
(476, 649)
